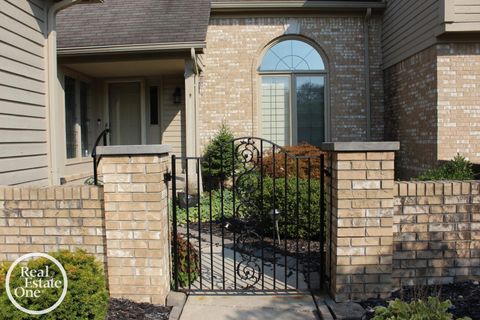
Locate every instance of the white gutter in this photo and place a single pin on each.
(112, 49)
(269, 5)
(51, 112)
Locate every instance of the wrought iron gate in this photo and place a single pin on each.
(249, 218)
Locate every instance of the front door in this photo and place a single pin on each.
(124, 107)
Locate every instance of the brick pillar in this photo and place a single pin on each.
(361, 208)
(136, 222)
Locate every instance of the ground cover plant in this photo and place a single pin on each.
(430, 309)
(463, 298)
(188, 263)
(205, 203)
(87, 296)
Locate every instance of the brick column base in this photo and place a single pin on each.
(136, 222)
(362, 219)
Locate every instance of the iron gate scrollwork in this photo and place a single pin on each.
(260, 228)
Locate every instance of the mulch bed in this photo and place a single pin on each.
(465, 297)
(122, 309)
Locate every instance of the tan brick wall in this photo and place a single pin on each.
(432, 106)
(437, 232)
(136, 222)
(459, 100)
(230, 82)
(49, 219)
(362, 211)
(411, 111)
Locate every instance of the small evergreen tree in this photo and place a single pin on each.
(218, 158)
(460, 168)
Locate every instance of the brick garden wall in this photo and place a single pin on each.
(230, 81)
(436, 232)
(383, 233)
(50, 219)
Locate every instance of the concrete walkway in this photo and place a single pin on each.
(237, 306)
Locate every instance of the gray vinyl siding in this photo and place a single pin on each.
(23, 124)
(409, 26)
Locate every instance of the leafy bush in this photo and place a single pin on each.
(87, 296)
(308, 207)
(205, 208)
(217, 159)
(457, 169)
(185, 275)
(432, 309)
(306, 150)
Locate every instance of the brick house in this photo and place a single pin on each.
(162, 72)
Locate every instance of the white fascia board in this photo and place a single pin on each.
(151, 47)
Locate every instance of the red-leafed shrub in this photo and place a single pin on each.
(305, 165)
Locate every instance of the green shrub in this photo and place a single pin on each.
(217, 159)
(205, 208)
(457, 169)
(432, 309)
(186, 275)
(87, 296)
(308, 207)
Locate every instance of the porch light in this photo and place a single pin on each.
(177, 95)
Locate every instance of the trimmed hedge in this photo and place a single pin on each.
(302, 220)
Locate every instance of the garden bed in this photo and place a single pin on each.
(465, 298)
(308, 252)
(123, 309)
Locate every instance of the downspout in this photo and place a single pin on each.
(196, 102)
(368, 101)
(51, 113)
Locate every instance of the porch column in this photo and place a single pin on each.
(360, 211)
(190, 109)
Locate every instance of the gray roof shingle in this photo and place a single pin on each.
(123, 22)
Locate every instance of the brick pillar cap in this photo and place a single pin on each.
(361, 146)
(151, 149)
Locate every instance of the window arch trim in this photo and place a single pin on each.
(267, 49)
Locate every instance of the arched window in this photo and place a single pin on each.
(293, 93)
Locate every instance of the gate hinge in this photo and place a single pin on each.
(167, 177)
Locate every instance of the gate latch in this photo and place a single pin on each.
(167, 177)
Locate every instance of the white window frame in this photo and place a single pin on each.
(80, 158)
(293, 134)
